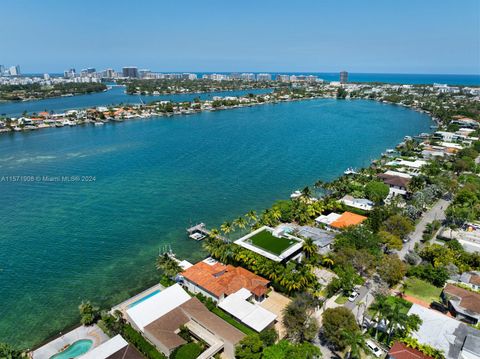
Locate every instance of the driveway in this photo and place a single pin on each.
(437, 212)
(363, 301)
(362, 292)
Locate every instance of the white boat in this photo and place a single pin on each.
(407, 138)
(349, 171)
(296, 194)
(98, 123)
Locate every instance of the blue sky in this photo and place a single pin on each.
(408, 36)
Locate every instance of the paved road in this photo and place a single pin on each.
(437, 212)
(362, 292)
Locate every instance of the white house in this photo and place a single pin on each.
(360, 203)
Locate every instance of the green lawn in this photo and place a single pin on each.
(422, 290)
(188, 351)
(266, 241)
(341, 299)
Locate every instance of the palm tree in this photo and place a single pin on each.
(306, 192)
(168, 265)
(240, 222)
(214, 232)
(327, 262)
(309, 248)
(355, 342)
(9, 352)
(398, 319)
(276, 213)
(252, 216)
(318, 184)
(226, 227)
(380, 309)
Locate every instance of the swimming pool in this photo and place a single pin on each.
(144, 298)
(76, 349)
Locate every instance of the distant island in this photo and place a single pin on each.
(37, 91)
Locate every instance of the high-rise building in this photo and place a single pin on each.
(264, 77)
(14, 70)
(109, 73)
(248, 77)
(130, 71)
(145, 74)
(2, 70)
(283, 78)
(69, 74)
(343, 77)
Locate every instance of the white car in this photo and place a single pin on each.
(374, 348)
(353, 296)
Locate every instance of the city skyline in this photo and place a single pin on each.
(428, 38)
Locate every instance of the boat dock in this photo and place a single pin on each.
(198, 232)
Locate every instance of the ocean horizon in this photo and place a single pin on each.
(384, 77)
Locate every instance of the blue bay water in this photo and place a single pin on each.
(62, 243)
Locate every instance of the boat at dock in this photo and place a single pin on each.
(350, 171)
(198, 232)
(296, 194)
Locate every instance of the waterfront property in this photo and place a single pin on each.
(217, 281)
(72, 344)
(275, 244)
(397, 181)
(160, 318)
(358, 203)
(166, 200)
(114, 348)
(243, 306)
(138, 298)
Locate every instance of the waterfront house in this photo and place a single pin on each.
(464, 304)
(243, 306)
(417, 164)
(457, 340)
(160, 317)
(217, 281)
(359, 203)
(115, 348)
(398, 182)
(335, 221)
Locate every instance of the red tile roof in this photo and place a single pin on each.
(219, 279)
(401, 351)
(347, 219)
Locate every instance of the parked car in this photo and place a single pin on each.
(353, 296)
(439, 306)
(374, 348)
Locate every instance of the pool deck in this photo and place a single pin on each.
(123, 306)
(93, 333)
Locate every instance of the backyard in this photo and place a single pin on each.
(266, 241)
(422, 290)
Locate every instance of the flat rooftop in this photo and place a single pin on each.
(275, 247)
